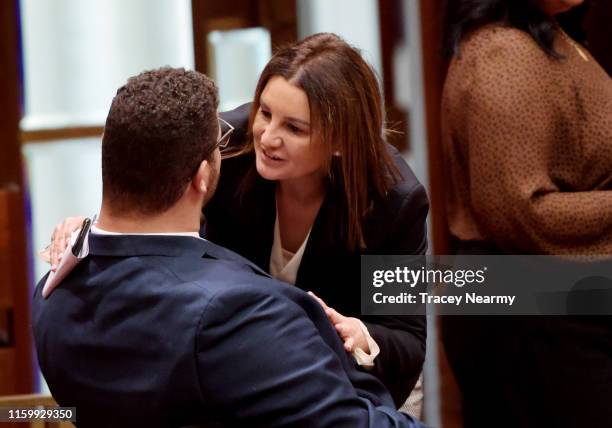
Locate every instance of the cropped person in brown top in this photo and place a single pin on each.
(527, 135)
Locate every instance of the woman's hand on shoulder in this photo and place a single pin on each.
(349, 329)
(60, 240)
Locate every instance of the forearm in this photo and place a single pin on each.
(552, 223)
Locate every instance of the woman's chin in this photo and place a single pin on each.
(265, 172)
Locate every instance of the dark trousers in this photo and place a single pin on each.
(532, 371)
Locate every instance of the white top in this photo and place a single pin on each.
(284, 266)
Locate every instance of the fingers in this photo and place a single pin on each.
(57, 245)
(333, 316)
(54, 247)
(45, 255)
(318, 299)
(350, 331)
(346, 329)
(66, 241)
(349, 344)
(343, 330)
(61, 238)
(332, 312)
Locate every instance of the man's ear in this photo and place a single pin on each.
(202, 177)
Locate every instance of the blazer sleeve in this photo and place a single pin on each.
(402, 338)
(262, 362)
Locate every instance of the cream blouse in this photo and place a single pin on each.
(284, 266)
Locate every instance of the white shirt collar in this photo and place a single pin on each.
(97, 231)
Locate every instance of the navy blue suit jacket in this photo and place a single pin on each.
(173, 331)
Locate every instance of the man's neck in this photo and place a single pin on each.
(171, 221)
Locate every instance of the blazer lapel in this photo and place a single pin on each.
(261, 207)
(325, 238)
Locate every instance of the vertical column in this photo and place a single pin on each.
(16, 375)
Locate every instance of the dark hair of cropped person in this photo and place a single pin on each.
(161, 125)
(346, 114)
(464, 16)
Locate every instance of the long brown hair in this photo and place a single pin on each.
(346, 113)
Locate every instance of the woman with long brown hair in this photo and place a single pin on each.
(316, 186)
(313, 185)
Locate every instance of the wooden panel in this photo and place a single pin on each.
(27, 400)
(10, 168)
(278, 16)
(68, 133)
(6, 290)
(21, 292)
(33, 400)
(16, 366)
(8, 374)
(15, 294)
(391, 34)
(434, 72)
(599, 32)
(209, 15)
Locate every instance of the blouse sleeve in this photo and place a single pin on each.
(529, 166)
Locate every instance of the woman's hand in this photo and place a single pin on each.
(348, 328)
(60, 239)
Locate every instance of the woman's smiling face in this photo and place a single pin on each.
(286, 147)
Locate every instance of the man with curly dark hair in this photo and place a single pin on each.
(161, 126)
(158, 327)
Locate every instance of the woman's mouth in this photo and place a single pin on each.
(271, 157)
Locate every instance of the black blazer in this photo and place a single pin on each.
(167, 331)
(396, 225)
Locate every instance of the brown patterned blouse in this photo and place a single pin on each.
(528, 145)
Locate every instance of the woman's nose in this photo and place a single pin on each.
(270, 136)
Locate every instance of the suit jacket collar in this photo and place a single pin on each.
(155, 245)
(146, 245)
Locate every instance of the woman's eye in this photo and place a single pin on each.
(294, 129)
(266, 114)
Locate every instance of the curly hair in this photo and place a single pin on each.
(161, 125)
